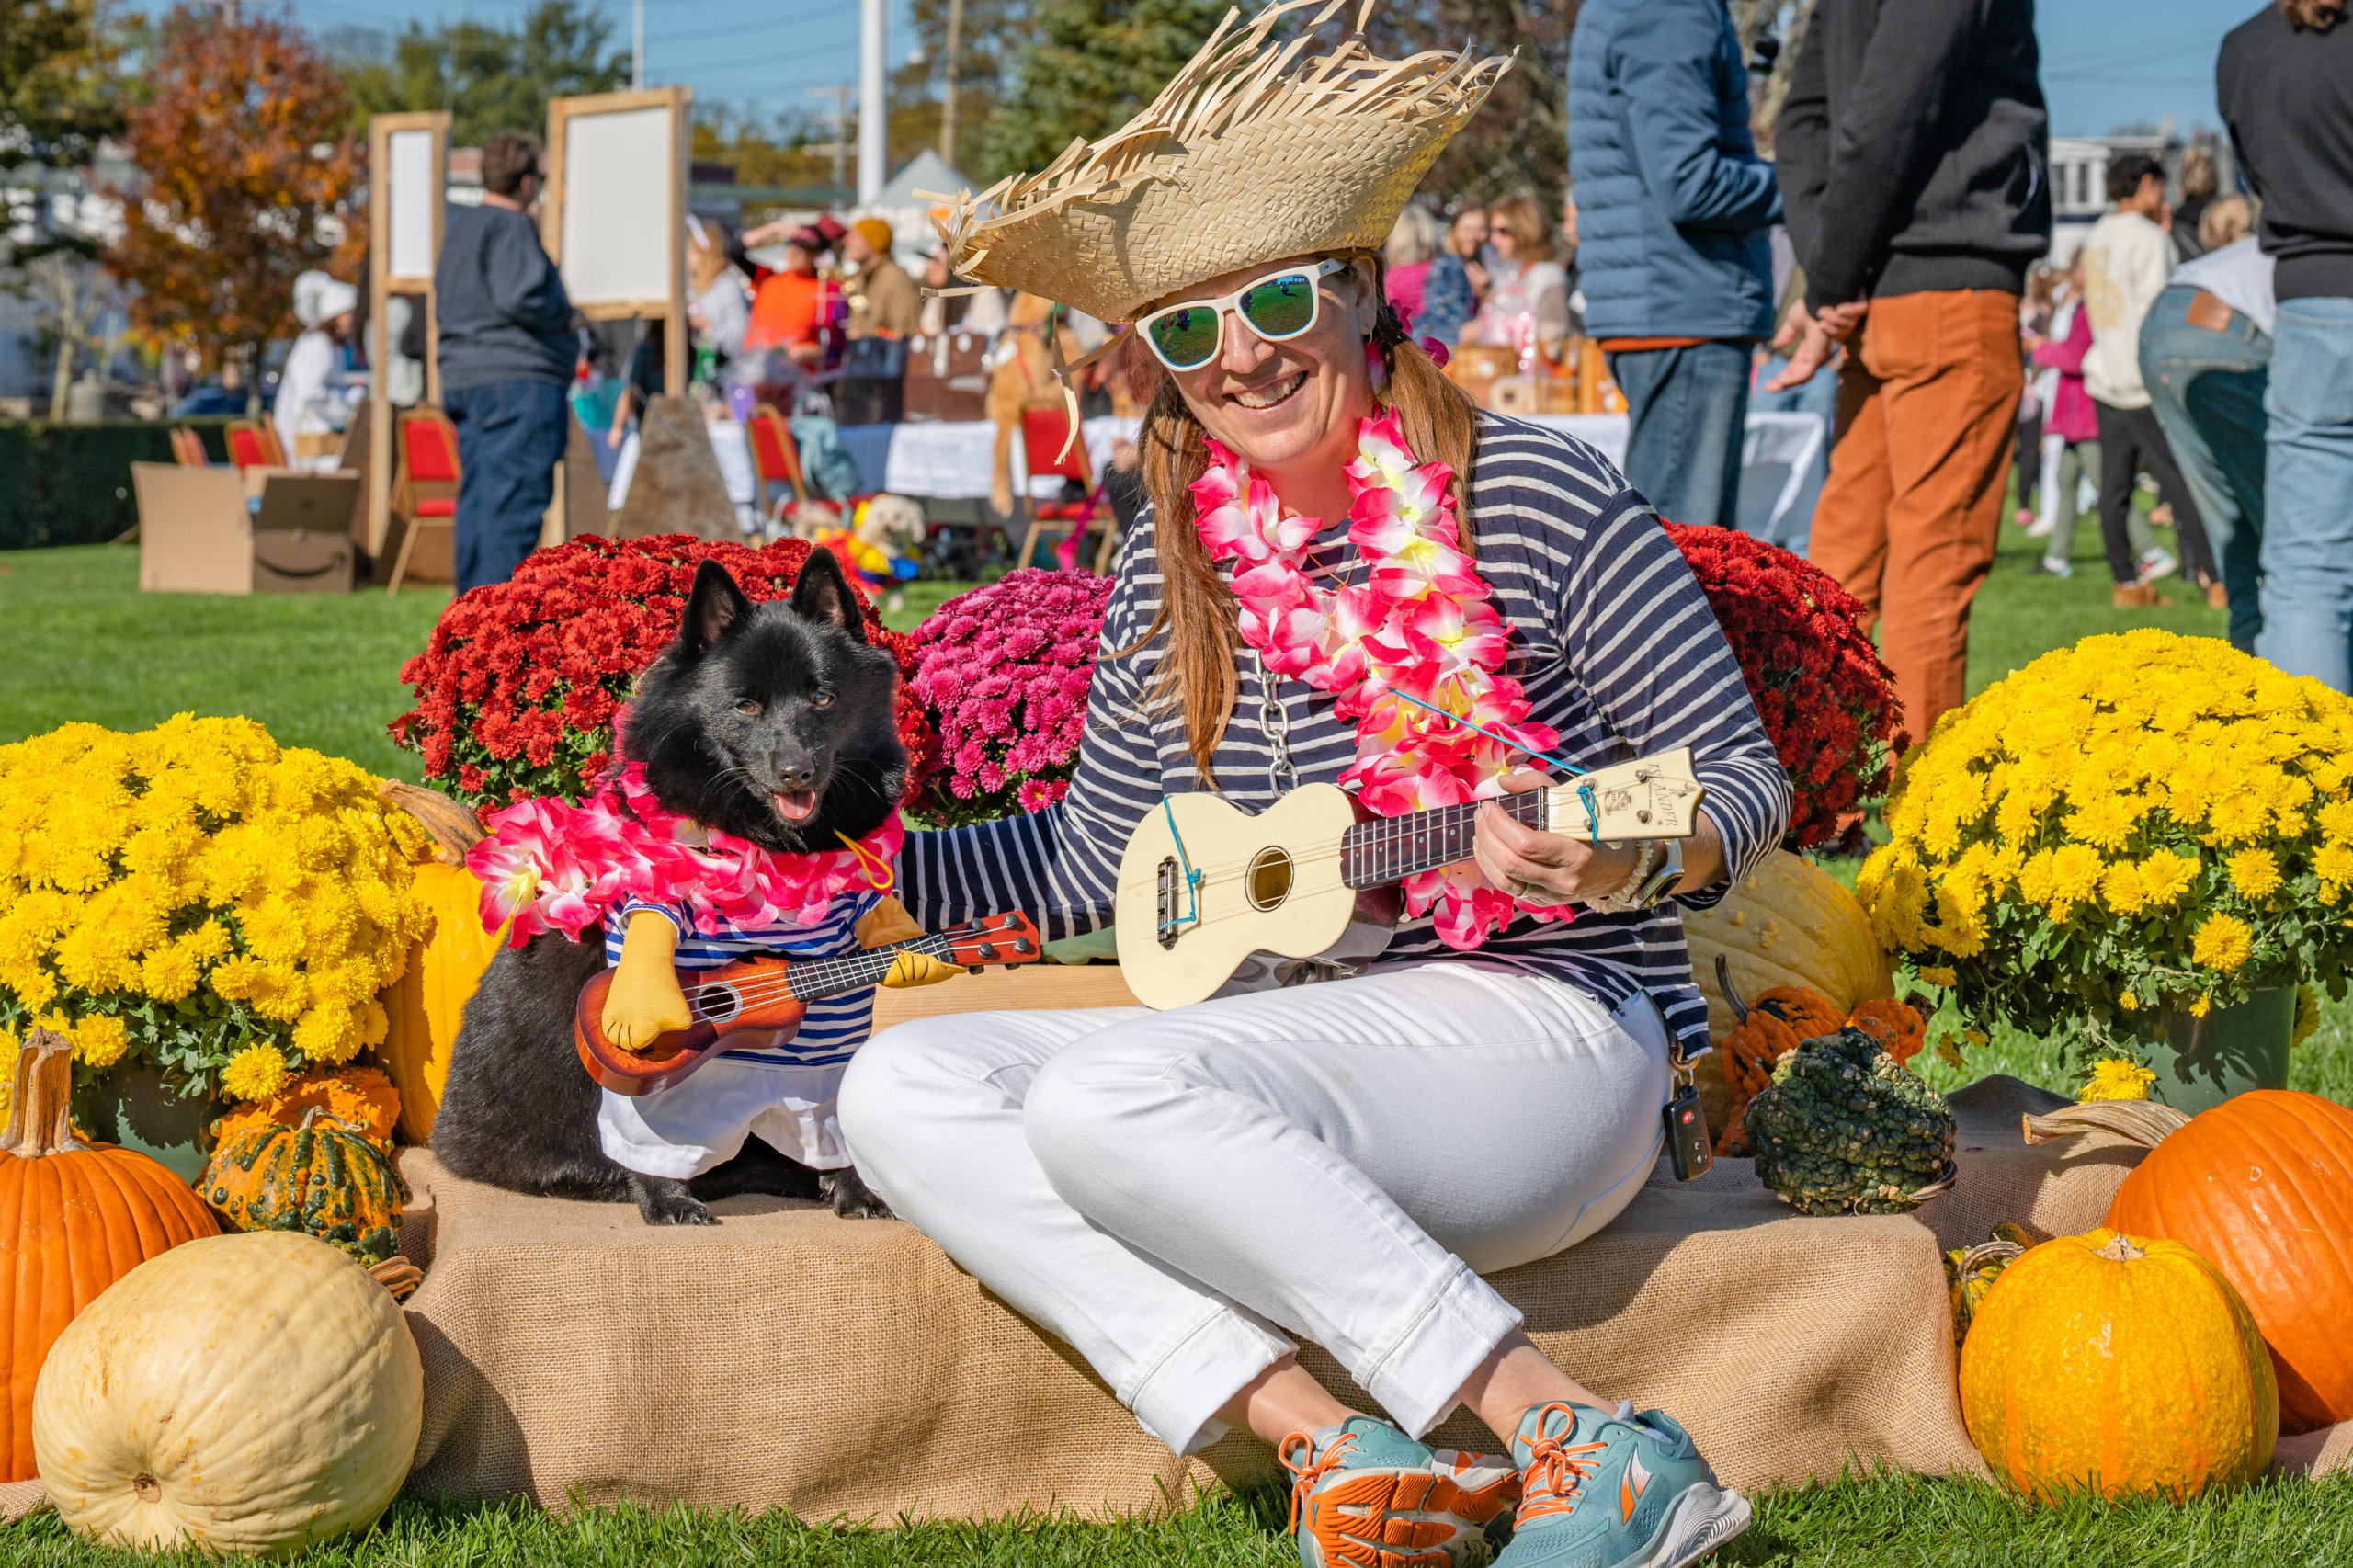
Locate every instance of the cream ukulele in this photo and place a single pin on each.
(770, 993)
(1204, 886)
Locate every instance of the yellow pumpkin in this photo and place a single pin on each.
(1786, 924)
(247, 1395)
(425, 1004)
(2121, 1365)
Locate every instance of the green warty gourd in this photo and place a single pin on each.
(1846, 1128)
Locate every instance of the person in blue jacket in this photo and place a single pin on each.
(1674, 206)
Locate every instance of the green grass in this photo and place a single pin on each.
(79, 641)
(1879, 1521)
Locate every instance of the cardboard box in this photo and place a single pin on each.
(1534, 394)
(195, 535)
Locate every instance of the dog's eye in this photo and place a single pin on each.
(749, 708)
(822, 698)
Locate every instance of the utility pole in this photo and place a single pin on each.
(637, 44)
(873, 100)
(839, 145)
(947, 95)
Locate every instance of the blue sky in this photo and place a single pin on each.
(2105, 62)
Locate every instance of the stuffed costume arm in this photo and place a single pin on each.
(889, 921)
(645, 1001)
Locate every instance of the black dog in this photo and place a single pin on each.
(770, 722)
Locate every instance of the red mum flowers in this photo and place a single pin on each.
(516, 689)
(1005, 671)
(1827, 699)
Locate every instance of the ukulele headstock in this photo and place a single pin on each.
(995, 939)
(1651, 797)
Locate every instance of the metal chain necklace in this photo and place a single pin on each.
(1274, 718)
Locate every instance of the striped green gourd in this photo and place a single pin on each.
(322, 1177)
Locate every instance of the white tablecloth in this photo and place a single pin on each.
(951, 461)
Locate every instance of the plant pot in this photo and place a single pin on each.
(2200, 1063)
(129, 1106)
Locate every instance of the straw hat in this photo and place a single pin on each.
(1256, 151)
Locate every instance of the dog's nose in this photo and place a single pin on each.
(795, 778)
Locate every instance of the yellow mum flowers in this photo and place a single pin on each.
(198, 896)
(2134, 824)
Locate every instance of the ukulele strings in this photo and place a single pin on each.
(1322, 852)
(754, 992)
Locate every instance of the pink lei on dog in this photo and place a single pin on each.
(1420, 624)
(548, 866)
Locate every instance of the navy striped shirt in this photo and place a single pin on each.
(1610, 638)
(834, 1026)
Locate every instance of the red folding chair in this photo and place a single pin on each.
(776, 460)
(425, 490)
(1045, 426)
(254, 446)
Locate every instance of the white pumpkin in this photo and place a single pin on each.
(251, 1393)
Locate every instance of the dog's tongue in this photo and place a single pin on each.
(795, 805)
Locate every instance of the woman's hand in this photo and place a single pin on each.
(1547, 867)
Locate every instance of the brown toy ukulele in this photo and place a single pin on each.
(771, 993)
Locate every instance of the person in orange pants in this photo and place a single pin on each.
(1927, 416)
(1912, 151)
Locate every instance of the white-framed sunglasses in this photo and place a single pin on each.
(1278, 307)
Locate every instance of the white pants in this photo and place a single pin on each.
(1161, 1190)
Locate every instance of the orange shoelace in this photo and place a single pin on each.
(1312, 1468)
(1555, 1472)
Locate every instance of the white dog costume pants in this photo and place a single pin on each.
(1161, 1190)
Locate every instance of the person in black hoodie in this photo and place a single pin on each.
(1913, 152)
(2285, 84)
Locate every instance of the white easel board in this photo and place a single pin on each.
(614, 214)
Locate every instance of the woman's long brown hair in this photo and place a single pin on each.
(1198, 668)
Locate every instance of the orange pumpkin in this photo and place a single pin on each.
(425, 1004)
(2117, 1364)
(2261, 1186)
(77, 1218)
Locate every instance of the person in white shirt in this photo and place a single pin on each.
(2126, 259)
(2206, 361)
(311, 388)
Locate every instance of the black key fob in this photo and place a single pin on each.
(1686, 1135)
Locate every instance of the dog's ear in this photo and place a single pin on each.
(715, 605)
(823, 594)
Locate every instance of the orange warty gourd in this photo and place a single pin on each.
(2110, 1363)
(74, 1218)
(427, 1004)
(2261, 1185)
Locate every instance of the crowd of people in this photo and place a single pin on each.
(1900, 238)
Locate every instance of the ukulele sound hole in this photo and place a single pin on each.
(1269, 878)
(717, 1004)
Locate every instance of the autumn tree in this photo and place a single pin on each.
(247, 175)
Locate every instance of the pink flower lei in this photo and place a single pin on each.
(1421, 623)
(548, 866)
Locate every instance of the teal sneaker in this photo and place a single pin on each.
(1365, 1495)
(1615, 1491)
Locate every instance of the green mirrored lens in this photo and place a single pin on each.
(1280, 307)
(1186, 337)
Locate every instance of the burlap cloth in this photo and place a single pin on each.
(786, 1358)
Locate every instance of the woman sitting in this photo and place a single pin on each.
(1183, 1195)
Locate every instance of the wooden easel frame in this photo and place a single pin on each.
(671, 310)
(381, 286)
